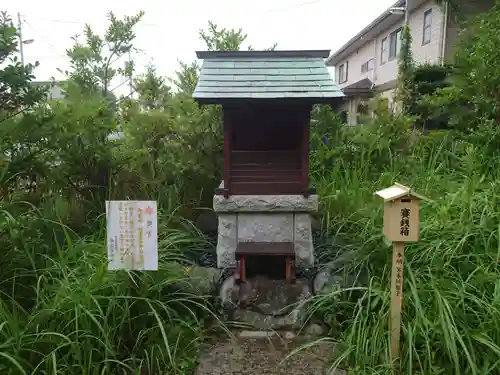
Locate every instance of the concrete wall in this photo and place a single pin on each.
(54, 90)
(55, 93)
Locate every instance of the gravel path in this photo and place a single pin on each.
(264, 356)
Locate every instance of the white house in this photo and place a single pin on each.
(368, 62)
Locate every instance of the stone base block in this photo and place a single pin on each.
(264, 218)
(227, 240)
(266, 203)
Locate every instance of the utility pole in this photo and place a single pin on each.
(22, 42)
(20, 34)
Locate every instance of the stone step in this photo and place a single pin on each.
(248, 334)
(310, 332)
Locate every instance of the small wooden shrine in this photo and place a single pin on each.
(267, 97)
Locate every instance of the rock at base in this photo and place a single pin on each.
(267, 304)
(314, 330)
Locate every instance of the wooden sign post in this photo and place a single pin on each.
(401, 225)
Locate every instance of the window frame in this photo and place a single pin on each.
(384, 52)
(393, 41)
(427, 27)
(344, 70)
(365, 67)
(372, 60)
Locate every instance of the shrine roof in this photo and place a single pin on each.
(264, 75)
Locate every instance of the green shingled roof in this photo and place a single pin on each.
(264, 75)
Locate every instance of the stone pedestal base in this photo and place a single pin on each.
(264, 218)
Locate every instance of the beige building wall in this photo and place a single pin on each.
(430, 52)
(354, 62)
(385, 74)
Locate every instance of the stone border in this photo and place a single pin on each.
(265, 203)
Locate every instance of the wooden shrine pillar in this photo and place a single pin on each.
(227, 156)
(305, 159)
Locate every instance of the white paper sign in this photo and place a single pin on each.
(132, 235)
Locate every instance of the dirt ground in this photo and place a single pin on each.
(265, 356)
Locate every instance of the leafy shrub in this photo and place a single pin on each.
(472, 97)
(451, 307)
(428, 79)
(60, 309)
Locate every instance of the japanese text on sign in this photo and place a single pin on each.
(404, 229)
(132, 235)
(399, 273)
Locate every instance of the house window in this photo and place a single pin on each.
(384, 51)
(342, 74)
(367, 66)
(395, 43)
(426, 35)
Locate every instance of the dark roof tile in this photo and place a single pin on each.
(265, 75)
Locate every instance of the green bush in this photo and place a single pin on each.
(451, 307)
(61, 311)
(428, 79)
(472, 98)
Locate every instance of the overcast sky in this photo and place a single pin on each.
(169, 29)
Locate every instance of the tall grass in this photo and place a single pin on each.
(451, 307)
(62, 312)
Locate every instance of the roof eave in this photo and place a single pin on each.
(239, 100)
(263, 54)
(337, 56)
(351, 92)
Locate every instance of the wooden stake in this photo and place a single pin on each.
(397, 296)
